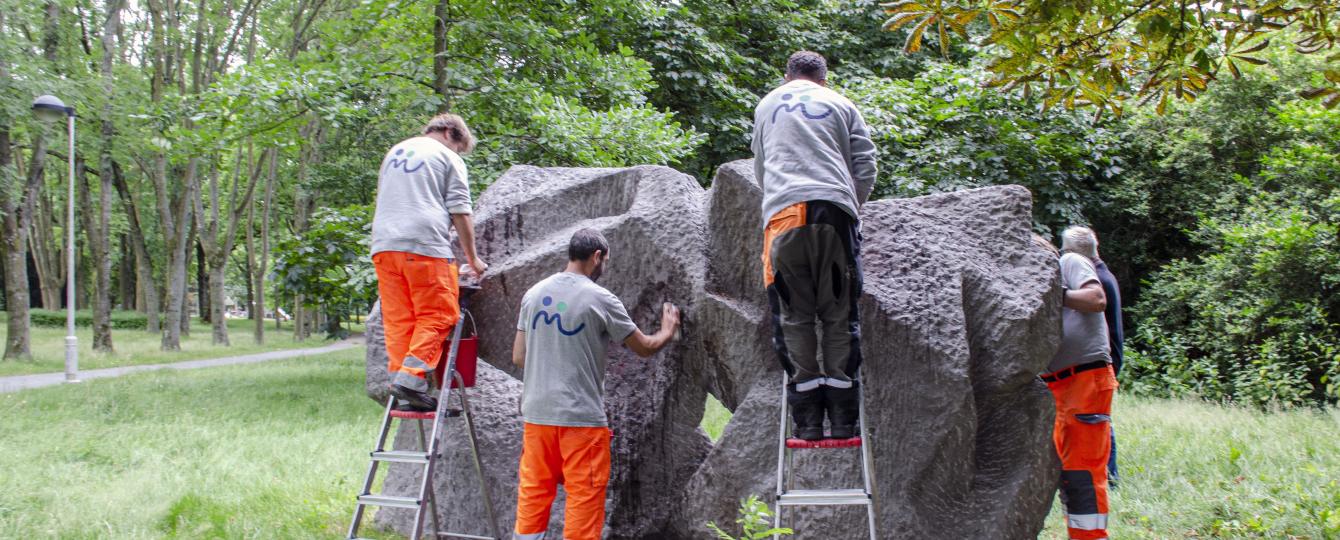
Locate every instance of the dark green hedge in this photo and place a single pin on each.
(121, 320)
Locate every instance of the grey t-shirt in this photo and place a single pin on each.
(420, 185)
(1083, 335)
(569, 321)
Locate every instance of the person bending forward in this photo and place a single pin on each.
(565, 324)
(422, 191)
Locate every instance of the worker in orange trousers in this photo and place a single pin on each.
(422, 193)
(565, 325)
(1082, 383)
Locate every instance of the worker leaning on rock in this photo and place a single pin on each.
(1082, 383)
(565, 324)
(422, 192)
(816, 164)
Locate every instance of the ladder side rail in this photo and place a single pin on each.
(867, 457)
(372, 468)
(474, 450)
(426, 483)
(432, 497)
(781, 458)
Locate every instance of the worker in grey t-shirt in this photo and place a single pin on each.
(565, 325)
(1082, 384)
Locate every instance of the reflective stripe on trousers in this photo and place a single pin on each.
(1083, 441)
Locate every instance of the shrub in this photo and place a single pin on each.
(753, 522)
(121, 320)
(1256, 319)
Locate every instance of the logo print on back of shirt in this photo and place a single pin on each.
(404, 163)
(556, 319)
(800, 106)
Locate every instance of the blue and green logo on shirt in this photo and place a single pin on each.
(556, 319)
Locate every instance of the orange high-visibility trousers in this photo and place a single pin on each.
(1083, 420)
(420, 304)
(578, 458)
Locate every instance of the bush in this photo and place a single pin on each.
(121, 320)
(1256, 319)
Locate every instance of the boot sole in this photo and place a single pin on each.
(414, 400)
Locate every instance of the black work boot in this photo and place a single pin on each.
(844, 410)
(413, 400)
(807, 409)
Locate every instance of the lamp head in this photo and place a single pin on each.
(50, 108)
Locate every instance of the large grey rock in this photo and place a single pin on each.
(960, 312)
(374, 339)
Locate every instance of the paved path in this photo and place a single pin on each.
(21, 382)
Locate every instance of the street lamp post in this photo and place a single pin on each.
(51, 108)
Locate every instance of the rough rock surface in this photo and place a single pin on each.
(959, 311)
(959, 315)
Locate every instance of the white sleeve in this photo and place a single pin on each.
(458, 186)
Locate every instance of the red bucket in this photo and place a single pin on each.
(467, 358)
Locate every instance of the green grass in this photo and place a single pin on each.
(1192, 469)
(265, 451)
(715, 417)
(136, 347)
(276, 451)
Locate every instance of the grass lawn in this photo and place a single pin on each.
(276, 450)
(137, 347)
(1197, 470)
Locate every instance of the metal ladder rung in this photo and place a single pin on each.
(800, 497)
(466, 536)
(401, 456)
(390, 501)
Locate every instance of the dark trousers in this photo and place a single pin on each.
(812, 262)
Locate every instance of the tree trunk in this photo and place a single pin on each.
(178, 256)
(14, 216)
(144, 269)
(46, 251)
(125, 276)
(440, 18)
(265, 252)
(96, 231)
(203, 287)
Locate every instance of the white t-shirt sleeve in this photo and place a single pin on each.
(458, 186)
(1077, 271)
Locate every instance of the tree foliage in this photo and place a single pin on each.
(1106, 53)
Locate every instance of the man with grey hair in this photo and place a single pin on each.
(1081, 381)
(815, 161)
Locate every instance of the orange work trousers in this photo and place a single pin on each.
(420, 304)
(578, 458)
(1083, 424)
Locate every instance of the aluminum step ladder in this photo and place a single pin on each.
(787, 496)
(423, 456)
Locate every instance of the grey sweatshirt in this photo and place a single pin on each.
(810, 143)
(420, 185)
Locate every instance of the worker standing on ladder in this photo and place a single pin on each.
(816, 164)
(565, 324)
(422, 192)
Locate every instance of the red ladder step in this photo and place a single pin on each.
(824, 443)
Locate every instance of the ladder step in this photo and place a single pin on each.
(466, 536)
(401, 456)
(389, 501)
(853, 442)
(424, 415)
(808, 497)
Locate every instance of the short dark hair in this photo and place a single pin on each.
(807, 65)
(585, 243)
